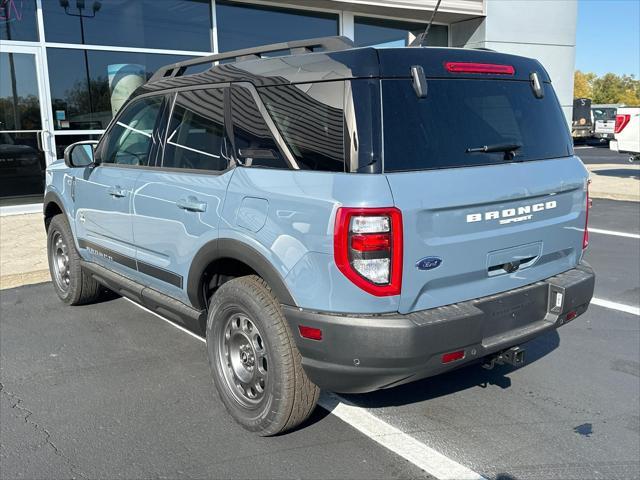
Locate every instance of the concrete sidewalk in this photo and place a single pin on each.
(615, 182)
(23, 250)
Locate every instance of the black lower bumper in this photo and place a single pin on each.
(364, 353)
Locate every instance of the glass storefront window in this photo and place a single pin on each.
(22, 167)
(89, 86)
(165, 24)
(19, 100)
(63, 141)
(242, 26)
(18, 20)
(381, 32)
(22, 161)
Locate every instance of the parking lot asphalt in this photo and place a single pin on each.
(594, 152)
(110, 391)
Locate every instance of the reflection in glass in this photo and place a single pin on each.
(22, 167)
(381, 32)
(196, 132)
(82, 155)
(243, 26)
(19, 101)
(63, 141)
(18, 20)
(129, 140)
(310, 118)
(126, 23)
(253, 141)
(87, 87)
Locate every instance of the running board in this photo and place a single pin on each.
(160, 303)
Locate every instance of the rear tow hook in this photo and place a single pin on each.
(513, 356)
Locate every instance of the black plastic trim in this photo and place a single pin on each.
(52, 197)
(362, 353)
(236, 250)
(158, 302)
(130, 262)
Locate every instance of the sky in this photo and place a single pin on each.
(608, 37)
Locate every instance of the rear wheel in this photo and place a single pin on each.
(255, 364)
(72, 284)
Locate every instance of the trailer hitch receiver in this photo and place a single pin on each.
(513, 356)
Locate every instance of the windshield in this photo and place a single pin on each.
(459, 118)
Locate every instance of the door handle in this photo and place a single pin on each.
(117, 192)
(192, 204)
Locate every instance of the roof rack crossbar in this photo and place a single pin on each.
(295, 47)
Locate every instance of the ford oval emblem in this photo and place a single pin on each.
(428, 263)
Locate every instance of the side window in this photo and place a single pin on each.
(196, 131)
(129, 140)
(310, 118)
(253, 141)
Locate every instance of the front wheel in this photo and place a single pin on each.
(72, 284)
(256, 366)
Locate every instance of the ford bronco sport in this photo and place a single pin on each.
(342, 218)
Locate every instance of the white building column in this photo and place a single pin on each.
(347, 24)
(545, 31)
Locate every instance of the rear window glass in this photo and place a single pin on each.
(255, 146)
(604, 113)
(310, 119)
(436, 131)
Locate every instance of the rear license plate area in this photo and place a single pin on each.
(513, 310)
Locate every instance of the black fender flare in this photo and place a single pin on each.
(52, 198)
(240, 251)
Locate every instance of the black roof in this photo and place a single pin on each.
(343, 64)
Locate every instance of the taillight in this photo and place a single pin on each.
(367, 247)
(585, 236)
(472, 67)
(621, 122)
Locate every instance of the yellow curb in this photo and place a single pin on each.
(20, 279)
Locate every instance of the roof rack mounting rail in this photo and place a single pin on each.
(295, 47)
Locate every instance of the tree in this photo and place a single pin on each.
(609, 88)
(583, 84)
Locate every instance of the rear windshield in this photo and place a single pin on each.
(462, 114)
(604, 113)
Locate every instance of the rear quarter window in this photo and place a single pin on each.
(457, 114)
(310, 118)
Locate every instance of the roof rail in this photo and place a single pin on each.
(295, 47)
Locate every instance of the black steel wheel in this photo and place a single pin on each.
(256, 366)
(71, 283)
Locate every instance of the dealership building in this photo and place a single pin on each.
(66, 66)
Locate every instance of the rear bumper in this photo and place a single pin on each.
(608, 136)
(364, 353)
(581, 132)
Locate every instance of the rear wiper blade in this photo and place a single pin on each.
(500, 147)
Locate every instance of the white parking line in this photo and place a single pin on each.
(614, 233)
(582, 147)
(616, 306)
(416, 452)
(197, 337)
(402, 444)
(390, 437)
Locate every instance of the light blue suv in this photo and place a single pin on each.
(341, 218)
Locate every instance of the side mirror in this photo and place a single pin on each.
(80, 154)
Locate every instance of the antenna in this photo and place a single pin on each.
(420, 40)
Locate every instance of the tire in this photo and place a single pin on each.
(256, 366)
(72, 284)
